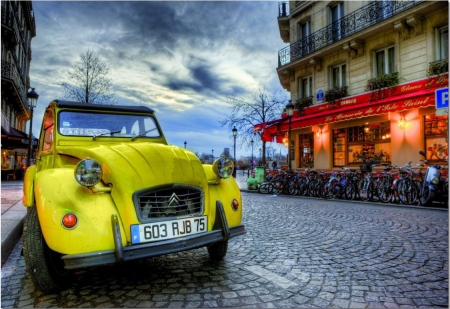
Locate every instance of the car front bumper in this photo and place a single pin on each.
(141, 251)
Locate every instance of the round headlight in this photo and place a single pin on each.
(88, 172)
(435, 180)
(223, 167)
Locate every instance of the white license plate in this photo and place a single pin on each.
(163, 230)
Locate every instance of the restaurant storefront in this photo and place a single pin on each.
(389, 126)
(14, 151)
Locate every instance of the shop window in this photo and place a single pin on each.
(306, 150)
(436, 137)
(384, 61)
(354, 144)
(339, 149)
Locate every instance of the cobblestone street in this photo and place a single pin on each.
(297, 252)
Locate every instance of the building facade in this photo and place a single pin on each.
(363, 77)
(18, 29)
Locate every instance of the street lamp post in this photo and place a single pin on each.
(290, 112)
(252, 142)
(185, 143)
(32, 97)
(260, 156)
(212, 151)
(234, 130)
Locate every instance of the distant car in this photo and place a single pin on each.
(107, 188)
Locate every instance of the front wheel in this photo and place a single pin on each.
(407, 191)
(218, 250)
(427, 197)
(44, 265)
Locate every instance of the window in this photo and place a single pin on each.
(370, 141)
(442, 43)
(305, 87)
(338, 76)
(304, 30)
(306, 150)
(385, 61)
(436, 133)
(337, 12)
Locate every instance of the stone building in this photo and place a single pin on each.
(364, 78)
(18, 29)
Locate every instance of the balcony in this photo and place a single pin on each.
(354, 22)
(12, 81)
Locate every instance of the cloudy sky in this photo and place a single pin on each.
(183, 59)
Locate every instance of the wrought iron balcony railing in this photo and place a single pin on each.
(358, 20)
(283, 9)
(11, 72)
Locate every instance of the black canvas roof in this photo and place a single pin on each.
(125, 108)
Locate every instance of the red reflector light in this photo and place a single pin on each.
(69, 221)
(235, 204)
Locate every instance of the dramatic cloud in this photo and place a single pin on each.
(181, 58)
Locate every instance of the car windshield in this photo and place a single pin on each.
(74, 123)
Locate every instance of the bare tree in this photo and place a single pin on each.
(87, 81)
(265, 106)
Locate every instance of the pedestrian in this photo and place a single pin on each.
(274, 165)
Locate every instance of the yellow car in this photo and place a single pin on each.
(107, 188)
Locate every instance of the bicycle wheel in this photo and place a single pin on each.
(373, 194)
(292, 187)
(333, 191)
(385, 191)
(303, 187)
(407, 191)
(363, 189)
(350, 190)
(263, 188)
(312, 187)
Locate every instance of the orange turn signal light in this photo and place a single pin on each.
(69, 221)
(235, 204)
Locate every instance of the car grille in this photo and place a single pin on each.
(166, 202)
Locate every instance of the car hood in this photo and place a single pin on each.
(143, 165)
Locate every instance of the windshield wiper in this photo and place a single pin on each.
(142, 134)
(106, 133)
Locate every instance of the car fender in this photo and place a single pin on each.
(54, 199)
(28, 186)
(224, 190)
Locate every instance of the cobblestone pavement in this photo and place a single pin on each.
(297, 252)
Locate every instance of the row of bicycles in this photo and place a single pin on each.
(394, 184)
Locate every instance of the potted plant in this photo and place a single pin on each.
(335, 94)
(437, 68)
(386, 81)
(301, 104)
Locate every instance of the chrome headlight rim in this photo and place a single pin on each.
(435, 180)
(88, 172)
(223, 167)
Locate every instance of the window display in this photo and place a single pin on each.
(306, 150)
(436, 137)
(370, 141)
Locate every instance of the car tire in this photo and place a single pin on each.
(218, 250)
(44, 265)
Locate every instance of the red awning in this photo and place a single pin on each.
(417, 94)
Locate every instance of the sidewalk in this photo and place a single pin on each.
(13, 212)
(12, 217)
